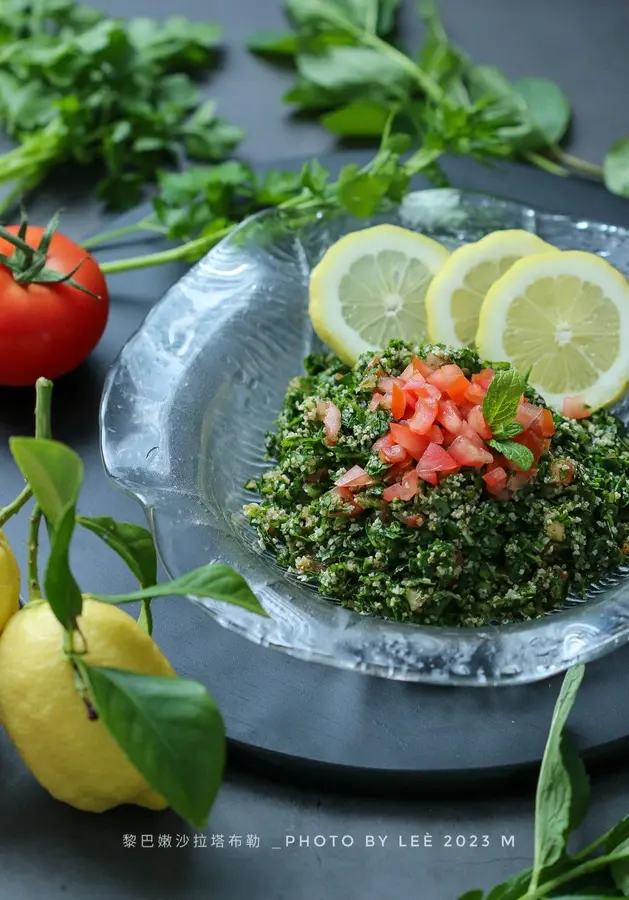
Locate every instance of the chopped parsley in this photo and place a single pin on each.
(472, 559)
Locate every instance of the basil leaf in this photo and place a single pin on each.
(54, 472)
(273, 43)
(364, 118)
(547, 106)
(502, 398)
(133, 543)
(620, 868)
(169, 728)
(515, 453)
(555, 797)
(616, 168)
(214, 581)
(62, 591)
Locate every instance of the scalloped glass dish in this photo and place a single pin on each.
(187, 404)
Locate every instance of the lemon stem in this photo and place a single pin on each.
(15, 505)
(34, 588)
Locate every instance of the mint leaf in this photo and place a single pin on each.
(169, 728)
(501, 401)
(214, 581)
(510, 431)
(556, 789)
(515, 453)
(616, 168)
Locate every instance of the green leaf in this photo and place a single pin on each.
(557, 795)
(515, 453)
(547, 106)
(360, 192)
(61, 590)
(169, 728)
(616, 168)
(273, 43)
(314, 177)
(145, 619)
(364, 118)
(579, 783)
(54, 472)
(512, 889)
(502, 399)
(214, 581)
(510, 430)
(133, 543)
(472, 895)
(618, 835)
(620, 868)
(342, 69)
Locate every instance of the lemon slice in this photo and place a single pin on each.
(456, 294)
(370, 287)
(564, 316)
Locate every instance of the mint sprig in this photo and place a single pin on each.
(515, 453)
(500, 408)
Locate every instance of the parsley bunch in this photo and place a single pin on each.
(79, 88)
(352, 75)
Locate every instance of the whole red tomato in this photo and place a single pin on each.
(47, 329)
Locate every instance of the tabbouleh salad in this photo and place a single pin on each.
(425, 485)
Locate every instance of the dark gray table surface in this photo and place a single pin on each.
(48, 850)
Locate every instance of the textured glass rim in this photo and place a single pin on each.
(598, 626)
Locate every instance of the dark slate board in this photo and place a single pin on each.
(293, 719)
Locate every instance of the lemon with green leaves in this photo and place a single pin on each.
(66, 747)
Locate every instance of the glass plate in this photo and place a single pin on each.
(187, 404)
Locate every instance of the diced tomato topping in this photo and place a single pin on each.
(468, 432)
(346, 495)
(483, 378)
(405, 490)
(395, 472)
(436, 459)
(466, 453)
(412, 372)
(544, 426)
(385, 384)
(449, 416)
(475, 394)
(532, 441)
(414, 385)
(414, 443)
(496, 480)
(527, 413)
(331, 416)
(394, 454)
(435, 435)
(424, 415)
(429, 476)
(387, 400)
(421, 366)
(411, 519)
(519, 479)
(562, 471)
(385, 441)
(476, 420)
(354, 477)
(374, 403)
(575, 408)
(398, 401)
(452, 381)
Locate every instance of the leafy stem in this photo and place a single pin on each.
(591, 865)
(107, 237)
(583, 166)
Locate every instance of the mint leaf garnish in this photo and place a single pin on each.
(515, 453)
(509, 431)
(501, 401)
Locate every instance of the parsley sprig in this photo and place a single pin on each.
(500, 408)
(79, 88)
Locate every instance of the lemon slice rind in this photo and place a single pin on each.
(325, 306)
(442, 323)
(613, 342)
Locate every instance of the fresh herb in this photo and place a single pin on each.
(352, 74)
(79, 88)
(466, 558)
(500, 407)
(598, 871)
(516, 453)
(168, 727)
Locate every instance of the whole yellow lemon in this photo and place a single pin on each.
(9, 582)
(73, 757)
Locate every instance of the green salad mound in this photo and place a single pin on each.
(474, 558)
